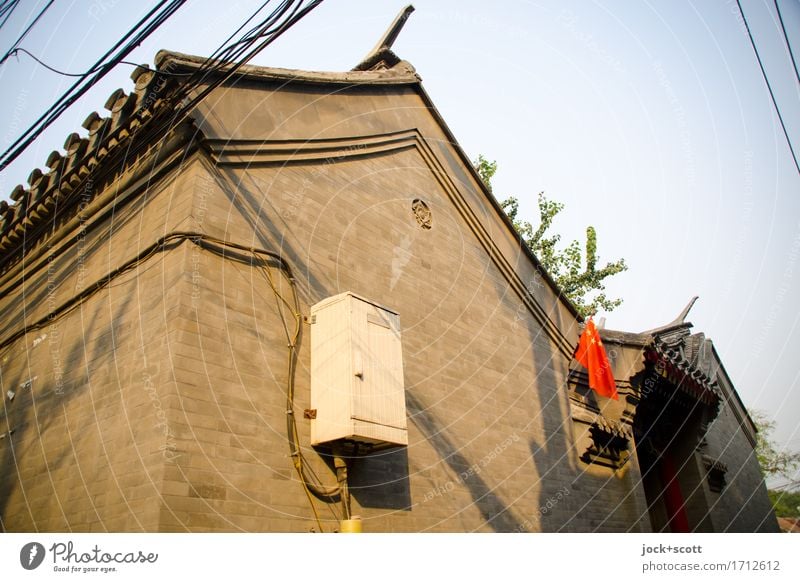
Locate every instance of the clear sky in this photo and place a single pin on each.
(649, 120)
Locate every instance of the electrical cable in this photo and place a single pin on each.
(224, 46)
(786, 39)
(182, 104)
(292, 340)
(26, 31)
(327, 494)
(226, 56)
(148, 24)
(7, 5)
(160, 244)
(184, 90)
(173, 113)
(229, 58)
(154, 129)
(769, 86)
(231, 71)
(89, 72)
(6, 10)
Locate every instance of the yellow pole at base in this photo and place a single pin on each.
(352, 525)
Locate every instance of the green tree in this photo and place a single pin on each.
(786, 503)
(575, 271)
(774, 461)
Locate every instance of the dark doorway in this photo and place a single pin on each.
(668, 426)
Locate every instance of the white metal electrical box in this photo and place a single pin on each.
(357, 384)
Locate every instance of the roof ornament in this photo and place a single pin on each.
(393, 31)
(678, 322)
(382, 52)
(682, 317)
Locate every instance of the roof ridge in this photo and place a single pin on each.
(65, 172)
(68, 172)
(399, 73)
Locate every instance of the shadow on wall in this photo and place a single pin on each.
(497, 515)
(546, 401)
(249, 202)
(381, 480)
(32, 414)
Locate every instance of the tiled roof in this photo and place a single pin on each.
(66, 172)
(686, 362)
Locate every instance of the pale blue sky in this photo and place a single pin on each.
(649, 120)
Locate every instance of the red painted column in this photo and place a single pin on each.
(673, 498)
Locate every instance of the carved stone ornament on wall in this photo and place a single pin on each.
(421, 213)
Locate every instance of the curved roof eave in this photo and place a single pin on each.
(400, 74)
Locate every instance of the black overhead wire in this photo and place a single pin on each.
(25, 32)
(269, 29)
(89, 72)
(135, 36)
(769, 86)
(7, 5)
(258, 30)
(225, 60)
(786, 39)
(217, 54)
(6, 9)
(180, 110)
(177, 107)
(14, 52)
(227, 51)
(268, 34)
(232, 52)
(259, 257)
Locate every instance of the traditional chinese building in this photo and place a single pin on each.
(293, 302)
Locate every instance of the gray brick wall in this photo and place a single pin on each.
(172, 412)
(88, 424)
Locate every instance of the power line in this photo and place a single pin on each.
(786, 38)
(234, 58)
(180, 101)
(225, 55)
(89, 72)
(135, 36)
(227, 59)
(26, 31)
(769, 86)
(6, 5)
(6, 9)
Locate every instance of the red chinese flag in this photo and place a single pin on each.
(592, 355)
